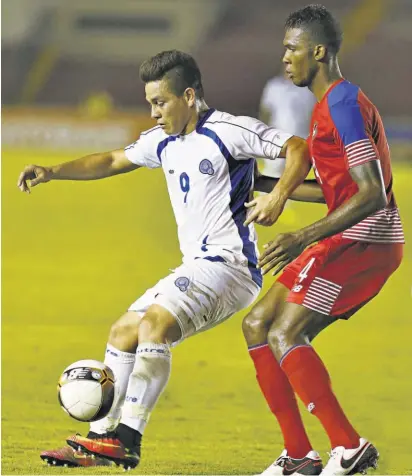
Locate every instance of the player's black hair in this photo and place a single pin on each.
(179, 68)
(320, 23)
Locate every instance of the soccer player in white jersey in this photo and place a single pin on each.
(208, 159)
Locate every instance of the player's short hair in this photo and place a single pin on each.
(320, 23)
(179, 68)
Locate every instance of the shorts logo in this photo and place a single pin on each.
(206, 167)
(311, 407)
(297, 288)
(182, 283)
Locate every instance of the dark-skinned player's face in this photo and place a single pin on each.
(299, 57)
(171, 112)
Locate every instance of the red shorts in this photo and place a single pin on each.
(338, 276)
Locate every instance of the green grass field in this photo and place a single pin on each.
(75, 255)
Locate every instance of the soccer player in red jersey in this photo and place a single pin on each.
(332, 267)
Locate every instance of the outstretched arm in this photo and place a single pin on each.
(308, 191)
(266, 209)
(90, 167)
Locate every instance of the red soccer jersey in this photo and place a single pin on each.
(347, 131)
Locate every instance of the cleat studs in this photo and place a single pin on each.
(66, 465)
(79, 448)
(54, 462)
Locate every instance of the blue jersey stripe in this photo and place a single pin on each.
(162, 145)
(346, 114)
(241, 179)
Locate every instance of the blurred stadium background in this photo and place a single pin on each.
(75, 255)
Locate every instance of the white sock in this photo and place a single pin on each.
(122, 365)
(148, 379)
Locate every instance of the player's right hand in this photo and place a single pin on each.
(36, 174)
(265, 210)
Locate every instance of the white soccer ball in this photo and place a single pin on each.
(86, 390)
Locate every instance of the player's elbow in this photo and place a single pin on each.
(375, 196)
(297, 147)
(381, 201)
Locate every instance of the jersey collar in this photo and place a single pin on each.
(204, 118)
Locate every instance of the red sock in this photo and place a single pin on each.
(281, 400)
(310, 380)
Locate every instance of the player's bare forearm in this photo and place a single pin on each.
(297, 167)
(351, 212)
(93, 167)
(308, 191)
(267, 209)
(370, 198)
(90, 167)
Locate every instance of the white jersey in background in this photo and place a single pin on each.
(290, 106)
(290, 109)
(209, 175)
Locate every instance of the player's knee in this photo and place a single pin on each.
(276, 336)
(158, 327)
(281, 337)
(124, 335)
(285, 334)
(256, 322)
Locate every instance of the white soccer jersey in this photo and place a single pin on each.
(209, 175)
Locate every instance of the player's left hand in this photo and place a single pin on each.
(281, 251)
(265, 210)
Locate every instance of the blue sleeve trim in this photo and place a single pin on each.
(346, 114)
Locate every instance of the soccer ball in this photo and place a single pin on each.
(86, 390)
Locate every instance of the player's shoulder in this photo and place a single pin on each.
(148, 141)
(154, 134)
(345, 94)
(227, 122)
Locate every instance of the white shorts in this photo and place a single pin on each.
(201, 294)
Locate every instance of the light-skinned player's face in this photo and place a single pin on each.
(300, 56)
(171, 112)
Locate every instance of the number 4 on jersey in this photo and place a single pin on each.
(304, 273)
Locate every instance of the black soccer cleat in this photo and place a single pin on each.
(311, 464)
